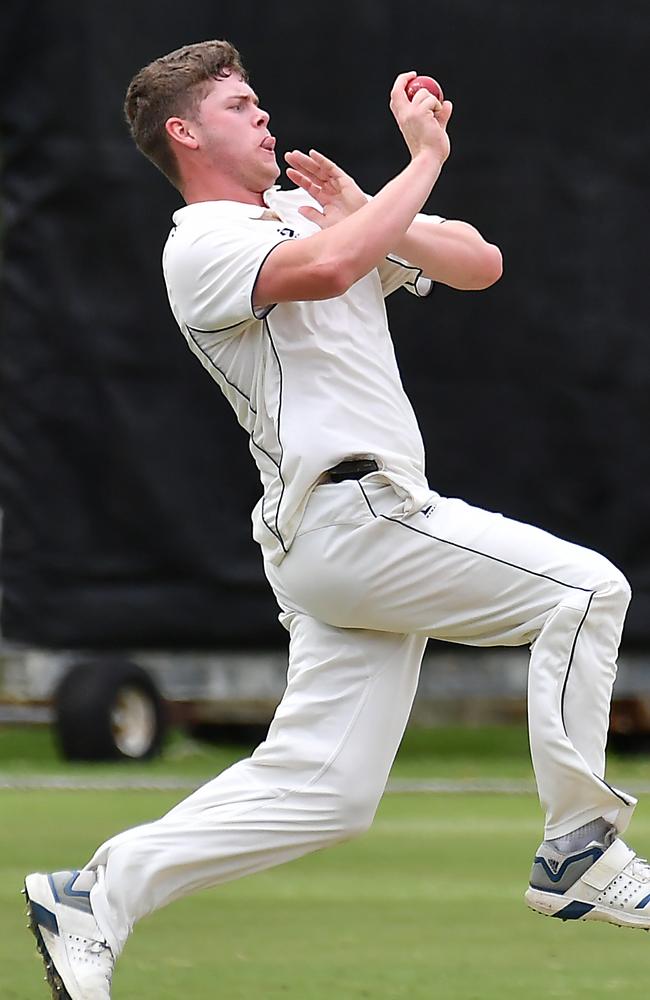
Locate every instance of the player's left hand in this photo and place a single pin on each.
(334, 190)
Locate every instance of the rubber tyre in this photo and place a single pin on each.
(90, 700)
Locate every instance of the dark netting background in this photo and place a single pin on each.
(126, 483)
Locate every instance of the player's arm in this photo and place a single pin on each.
(328, 263)
(452, 252)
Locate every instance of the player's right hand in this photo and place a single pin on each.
(422, 121)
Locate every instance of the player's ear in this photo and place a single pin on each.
(182, 131)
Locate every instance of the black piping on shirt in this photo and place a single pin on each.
(277, 509)
(191, 330)
(255, 444)
(420, 274)
(267, 309)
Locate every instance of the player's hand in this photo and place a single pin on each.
(335, 191)
(422, 121)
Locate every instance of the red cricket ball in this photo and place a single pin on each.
(418, 82)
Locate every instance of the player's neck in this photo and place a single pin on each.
(211, 188)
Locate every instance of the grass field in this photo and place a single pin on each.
(428, 904)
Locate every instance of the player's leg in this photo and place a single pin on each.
(316, 780)
(466, 575)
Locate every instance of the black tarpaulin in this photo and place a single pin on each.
(126, 484)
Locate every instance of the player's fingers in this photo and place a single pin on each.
(445, 113)
(313, 215)
(424, 97)
(398, 96)
(315, 165)
(306, 183)
(324, 164)
(300, 161)
(298, 157)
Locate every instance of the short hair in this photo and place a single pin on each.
(174, 84)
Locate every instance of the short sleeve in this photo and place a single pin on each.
(395, 272)
(211, 274)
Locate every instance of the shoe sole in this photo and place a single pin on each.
(551, 904)
(56, 984)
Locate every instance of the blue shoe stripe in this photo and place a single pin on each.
(644, 902)
(53, 888)
(574, 910)
(78, 893)
(67, 888)
(593, 852)
(44, 918)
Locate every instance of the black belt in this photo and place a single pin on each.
(354, 468)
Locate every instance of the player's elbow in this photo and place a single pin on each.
(478, 266)
(330, 277)
(492, 263)
(487, 267)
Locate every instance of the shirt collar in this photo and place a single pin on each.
(226, 209)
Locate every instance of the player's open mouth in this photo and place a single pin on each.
(268, 143)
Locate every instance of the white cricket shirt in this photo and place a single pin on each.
(313, 383)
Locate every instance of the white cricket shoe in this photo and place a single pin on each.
(604, 881)
(78, 961)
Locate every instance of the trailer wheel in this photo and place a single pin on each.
(108, 709)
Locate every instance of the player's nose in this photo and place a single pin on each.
(263, 117)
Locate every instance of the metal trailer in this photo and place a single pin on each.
(119, 704)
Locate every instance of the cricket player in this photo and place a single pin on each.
(280, 295)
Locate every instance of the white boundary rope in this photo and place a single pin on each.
(485, 786)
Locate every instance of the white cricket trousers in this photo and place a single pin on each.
(362, 589)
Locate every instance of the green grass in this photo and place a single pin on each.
(445, 752)
(427, 905)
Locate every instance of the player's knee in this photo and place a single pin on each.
(614, 588)
(356, 812)
(604, 580)
(623, 589)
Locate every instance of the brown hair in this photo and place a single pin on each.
(174, 84)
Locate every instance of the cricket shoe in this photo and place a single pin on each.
(603, 881)
(78, 961)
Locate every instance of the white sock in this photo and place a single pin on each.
(596, 830)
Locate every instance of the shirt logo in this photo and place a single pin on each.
(287, 232)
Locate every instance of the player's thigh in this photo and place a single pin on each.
(343, 682)
(470, 575)
(456, 572)
(520, 548)
(337, 729)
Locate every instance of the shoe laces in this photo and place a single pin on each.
(104, 958)
(98, 948)
(101, 953)
(640, 868)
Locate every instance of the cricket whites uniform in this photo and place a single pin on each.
(365, 570)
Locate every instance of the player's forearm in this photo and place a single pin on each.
(453, 253)
(328, 263)
(365, 237)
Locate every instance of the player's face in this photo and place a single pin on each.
(234, 135)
